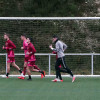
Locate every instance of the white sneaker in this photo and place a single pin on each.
(22, 75)
(56, 80)
(4, 76)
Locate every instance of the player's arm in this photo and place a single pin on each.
(25, 46)
(4, 47)
(55, 49)
(12, 45)
(51, 47)
(54, 52)
(33, 49)
(64, 46)
(22, 48)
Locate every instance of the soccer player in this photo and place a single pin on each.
(9, 46)
(25, 44)
(31, 60)
(60, 47)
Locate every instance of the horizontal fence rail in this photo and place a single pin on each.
(48, 18)
(54, 54)
(49, 60)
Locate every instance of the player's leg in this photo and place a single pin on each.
(8, 69)
(36, 69)
(42, 72)
(29, 73)
(25, 66)
(66, 69)
(24, 70)
(15, 66)
(9, 61)
(58, 74)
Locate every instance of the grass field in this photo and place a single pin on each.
(44, 89)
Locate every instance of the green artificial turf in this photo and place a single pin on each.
(44, 89)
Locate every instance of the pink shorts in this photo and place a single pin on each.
(10, 59)
(31, 64)
(26, 59)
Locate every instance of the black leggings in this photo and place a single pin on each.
(65, 69)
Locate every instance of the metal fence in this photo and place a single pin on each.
(67, 54)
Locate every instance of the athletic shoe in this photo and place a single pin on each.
(41, 76)
(54, 80)
(73, 79)
(57, 80)
(21, 77)
(4, 76)
(22, 73)
(61, 80)
(29, 79)
(44, 73)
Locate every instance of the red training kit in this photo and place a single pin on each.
(9, 46)
(31, 51)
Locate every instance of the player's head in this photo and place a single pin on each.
(29, 40)
(6, 36)
(23, 37)
(54, 39)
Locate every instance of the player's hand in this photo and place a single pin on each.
(27, 53)
(22, 48)
(10, 48)
(54, 52)
(3, 47)
(50, 46)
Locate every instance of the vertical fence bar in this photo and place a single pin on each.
(92, 64)
(6, 63)
(49, 64)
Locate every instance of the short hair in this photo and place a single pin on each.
(7, 34)
(55, 36)
(24, 35)
(31, 39)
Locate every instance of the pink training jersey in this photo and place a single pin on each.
(31, 50)
(9, 46)
(25, 45)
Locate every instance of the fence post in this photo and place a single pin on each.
(92, 55)
(49, 64)
(6, 63)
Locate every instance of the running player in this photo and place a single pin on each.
(60, 47)
(31, 60)
(23, 38)
(9, 46)
(25, 45)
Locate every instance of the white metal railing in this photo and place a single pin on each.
(48, 18)
(49, 59)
